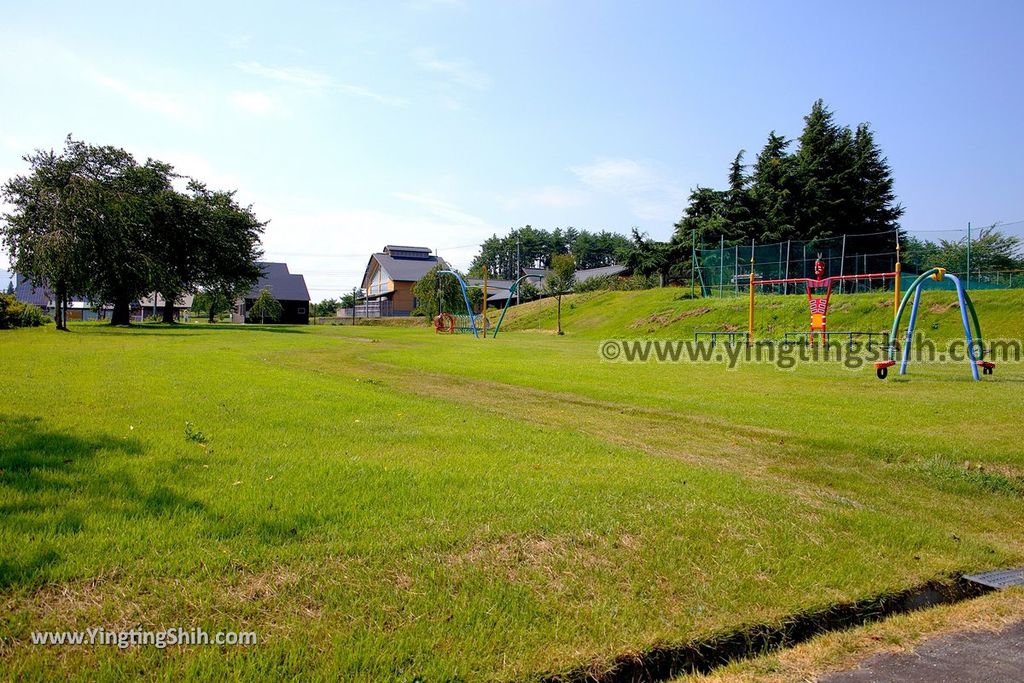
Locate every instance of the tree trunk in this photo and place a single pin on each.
(59, 312)
(122, 314)
(213, 313)
(169, 300)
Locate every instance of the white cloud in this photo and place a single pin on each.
(551, 197)
(240, 42)
(646, 189)
(287, 74)
(197, 166)
(444, 210)
(331, 246)
(618, 176)
(167, 104)
(457, 72)
(254, 102)
(314, 80)
(426, 5)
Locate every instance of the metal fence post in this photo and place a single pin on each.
(736, 270)
(721, 265)
(842, 263)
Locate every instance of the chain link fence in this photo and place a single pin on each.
(725, 270)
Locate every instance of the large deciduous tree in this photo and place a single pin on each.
(229, 248)
(130, 200)
(42, 233)
(91, 221)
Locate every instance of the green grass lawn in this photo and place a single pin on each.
(386, 503)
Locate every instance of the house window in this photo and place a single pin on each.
(300, 309)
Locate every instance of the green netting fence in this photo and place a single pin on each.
(724, 270)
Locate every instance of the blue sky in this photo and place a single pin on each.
(438, 123)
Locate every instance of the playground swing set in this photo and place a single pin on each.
(446, 322)
(819, 293)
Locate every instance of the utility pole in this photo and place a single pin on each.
(484, 315)
(518, 267)
(355, 300)
(842, 265)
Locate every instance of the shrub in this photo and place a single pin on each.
(528, 291)
(14, 313)
(614, 283)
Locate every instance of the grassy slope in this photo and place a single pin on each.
(381, 503)
(667, 313)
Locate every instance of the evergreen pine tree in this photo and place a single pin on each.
(824, 175)
(875, 198)
(739, 209)
(773, 190)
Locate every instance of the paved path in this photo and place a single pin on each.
(974, 657)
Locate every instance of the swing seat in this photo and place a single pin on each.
(986, 366)
(882, 368)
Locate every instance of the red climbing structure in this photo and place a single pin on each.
(816, 298)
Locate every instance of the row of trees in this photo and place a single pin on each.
(837, 181)
(529, 247)
(91, 221)
(990, 251)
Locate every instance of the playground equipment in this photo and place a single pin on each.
(819, 293)
(450, 323)
(966, 305)
(511, 293)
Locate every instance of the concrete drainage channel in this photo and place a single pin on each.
(705, 655)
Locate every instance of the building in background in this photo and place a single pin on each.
(287, 287)
(390, 276)
(78, 308)
(148, 308)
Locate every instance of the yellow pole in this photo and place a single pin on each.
(485, 302)
(750, 314)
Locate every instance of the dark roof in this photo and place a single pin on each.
(285, 286)
(491, 284)
(400, 269)
(27, 292)
(603, 271)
